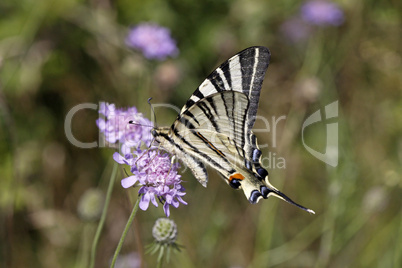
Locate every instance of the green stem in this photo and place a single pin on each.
(123, 236)
(103, 217)
(160, 258)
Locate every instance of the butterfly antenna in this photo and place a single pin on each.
(131, 122)
(153, 111)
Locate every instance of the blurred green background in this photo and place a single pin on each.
(57, 54)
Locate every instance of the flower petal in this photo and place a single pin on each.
(144, 202)
(125, 149)
(166, 209)
(153, 200)
(119, 158)
(181, 200)
(129, 181)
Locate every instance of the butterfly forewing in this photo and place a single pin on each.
(244, 73)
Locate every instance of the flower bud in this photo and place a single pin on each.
(165, 231)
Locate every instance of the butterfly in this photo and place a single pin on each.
(214, 128)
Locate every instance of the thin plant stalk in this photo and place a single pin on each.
(103, 216)
(160, 259)
(123, 236)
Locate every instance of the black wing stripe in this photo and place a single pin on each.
(186, 122)
(190, 114)
(213, 106)
(247, 64)
(217, 82)
(226, 72)
(202, 155)
(188, 104)
(205, 109)
(198, 93)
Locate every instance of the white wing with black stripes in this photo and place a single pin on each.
(214, 127)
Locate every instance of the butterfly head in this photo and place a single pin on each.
(160, 133)
(154, 132)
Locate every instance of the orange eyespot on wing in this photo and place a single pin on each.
(235, 179)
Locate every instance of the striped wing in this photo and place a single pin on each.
(209, 124)
(243, 73)
(213, 131)
(214, 126)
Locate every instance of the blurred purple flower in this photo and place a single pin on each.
(114, 124)
(322, 13)
(157, 176)
(153, 40)
(131, 260)
(295, 30)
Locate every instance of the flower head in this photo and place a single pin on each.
(157, 176)
(165, 231)
(322, 13)
(114, 124)
(153, 40)
(151, 169)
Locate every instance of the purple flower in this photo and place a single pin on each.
(153, 40)
(132, 260)
(114, 124)
(322, 13)
(157, 176)
(153, 170)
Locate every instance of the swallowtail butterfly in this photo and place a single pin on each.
(214, 127)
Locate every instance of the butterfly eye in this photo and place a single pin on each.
(254, 196)
(154, 133)
(262, 172)
(235, 183)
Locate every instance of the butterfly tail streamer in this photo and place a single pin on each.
(282, 196)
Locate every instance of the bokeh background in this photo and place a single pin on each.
(55, 55)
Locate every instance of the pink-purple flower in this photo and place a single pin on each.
(154, 41)
(322, 13)
(157, 176)
(151, 169)
(114, 124)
